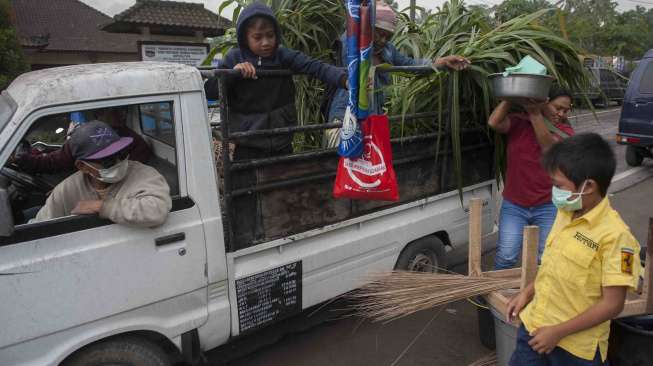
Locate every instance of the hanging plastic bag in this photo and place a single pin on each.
(351, 138)
(527, 65)
(370, 177)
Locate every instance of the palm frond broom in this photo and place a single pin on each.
(397, 294)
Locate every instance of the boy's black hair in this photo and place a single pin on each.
(259, 18)
(558, 91)
(581, 157)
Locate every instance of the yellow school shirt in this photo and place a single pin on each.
(582, 256)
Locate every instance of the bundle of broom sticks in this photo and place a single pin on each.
(489, 360)
(393, 295)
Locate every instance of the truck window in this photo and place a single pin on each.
(7, 108)
(50, 132)
(646, 83)
(41, 160)
(156, 122)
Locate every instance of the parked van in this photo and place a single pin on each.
(636, 122)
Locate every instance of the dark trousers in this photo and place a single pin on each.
(247, 220)
(525, 356)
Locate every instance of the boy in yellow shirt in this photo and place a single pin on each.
(590, 261)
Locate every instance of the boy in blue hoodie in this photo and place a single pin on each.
(262, 103)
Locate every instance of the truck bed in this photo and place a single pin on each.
(295, 197)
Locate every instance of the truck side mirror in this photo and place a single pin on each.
(6, 216)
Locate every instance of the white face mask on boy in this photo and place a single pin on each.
(560, 198)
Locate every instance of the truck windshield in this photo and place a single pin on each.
(646, 84)
(7, 108)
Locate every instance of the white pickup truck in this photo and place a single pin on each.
(80, 290)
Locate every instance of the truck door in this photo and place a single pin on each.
(62, 273)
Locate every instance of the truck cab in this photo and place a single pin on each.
(77, 287)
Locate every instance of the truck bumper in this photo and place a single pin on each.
(634, 139)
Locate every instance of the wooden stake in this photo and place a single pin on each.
(647, 292)
(529, 255)
(475, 245)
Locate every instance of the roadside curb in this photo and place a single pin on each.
(629, 178)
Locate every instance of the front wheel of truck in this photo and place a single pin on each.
(423, 255)
(634, 157)
(127, 351)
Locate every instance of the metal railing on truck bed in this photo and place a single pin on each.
(296, 198)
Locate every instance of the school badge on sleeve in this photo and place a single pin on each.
(627, 257)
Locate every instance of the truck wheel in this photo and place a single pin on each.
(423, 255)
(633, 156)
(128, 351)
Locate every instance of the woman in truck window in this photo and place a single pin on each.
(527, 186)
(108, 183)
(62, 160)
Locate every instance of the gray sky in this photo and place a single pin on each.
(111, 7)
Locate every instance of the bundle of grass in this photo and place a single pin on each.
(489, 360)
(464, 99)
(397, 294)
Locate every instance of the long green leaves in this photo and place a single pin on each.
(455, 30)
(312, 26)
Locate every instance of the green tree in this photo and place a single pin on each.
(483, 10)
(12, 60)
(592, 24)
(630, 37)
(510, 9)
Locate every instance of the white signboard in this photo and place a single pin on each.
(182, 53)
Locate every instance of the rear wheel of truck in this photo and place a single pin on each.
(423, 255)
(633, 156)
(127, 351)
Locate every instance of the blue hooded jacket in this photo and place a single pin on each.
(268, 102)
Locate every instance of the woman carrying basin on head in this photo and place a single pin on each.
(527, 188)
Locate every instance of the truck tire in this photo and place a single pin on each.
(634, 157)
(127, 351)
(423, 255)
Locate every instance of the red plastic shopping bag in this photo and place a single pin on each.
(371, 176)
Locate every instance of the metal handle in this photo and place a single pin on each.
(165, 240)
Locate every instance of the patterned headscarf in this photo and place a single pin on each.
(386, 18)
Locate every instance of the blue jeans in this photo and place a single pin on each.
(525, 356)
(512, 220)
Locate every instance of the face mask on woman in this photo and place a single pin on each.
(113, 174)
(560, 198)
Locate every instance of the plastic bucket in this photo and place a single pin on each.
(486, 328)
(631, 341)
(506, 338)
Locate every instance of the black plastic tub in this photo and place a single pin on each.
(631, 341)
